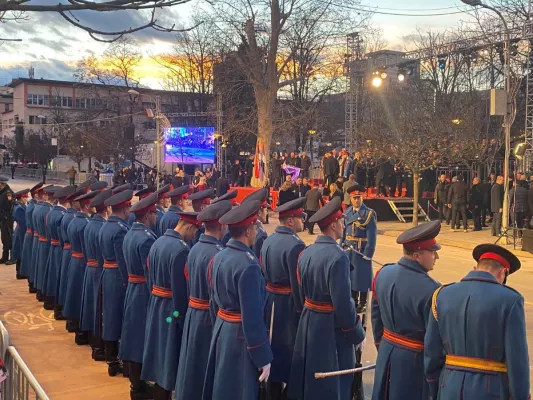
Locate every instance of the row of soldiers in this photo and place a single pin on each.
(204, 303)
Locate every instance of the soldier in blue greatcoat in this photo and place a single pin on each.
(35, 241)
(262, 196)
(77, 267)
(230, 196)
(360, 235)
(198, 325)
(199, 201)
(89, 318)
(401, 303)
(43, 242)
(114, 278)
(279, 258)
(178, 198)
(19, 216)
(53, 264)
(137, 244)
(163, 201)
(141, 194)
(329, 329)
(25, 265)
(167, 305)
(476, 345)
(240, 353)
(64, 243)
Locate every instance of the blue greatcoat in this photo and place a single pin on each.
(478, 318)
(166, 309)
(34, 244)
(360, 232)
(137, 244)
(226, 238)
(260, 237)
(76, 267)
(19, 216)
(239, 344)
(400, 309)
(53, 264)
(160, 211)
(279, 258)
(65, 256)
(114, 278)
(170, 219)
(43, 244)
(25, 265)
(198, 325)
(89, 320)
(329, 327)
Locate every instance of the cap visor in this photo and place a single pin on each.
(435, 247)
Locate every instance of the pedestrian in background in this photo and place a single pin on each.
(496, 206)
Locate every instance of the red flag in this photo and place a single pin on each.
(256, 161)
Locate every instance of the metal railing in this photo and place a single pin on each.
(20, 383)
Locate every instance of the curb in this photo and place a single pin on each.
(459, 244)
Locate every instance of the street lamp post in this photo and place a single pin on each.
(507, 120)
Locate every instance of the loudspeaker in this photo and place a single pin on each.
(520, 150)
(527, 240)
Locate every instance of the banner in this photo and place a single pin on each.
(293, 171)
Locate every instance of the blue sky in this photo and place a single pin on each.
(53, 47)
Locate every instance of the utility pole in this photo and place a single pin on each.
(158, 156)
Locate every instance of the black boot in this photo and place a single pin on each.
(31, 288)
(114, 366)
(81, 338)
(97, 345)
(5, 256)
(72, 326)
(138, 388)
(49, 303)
(126, 369)
(58, 312)
(160, 393)
(19, 275)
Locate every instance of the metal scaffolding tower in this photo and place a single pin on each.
(528, 34)
(354, 52)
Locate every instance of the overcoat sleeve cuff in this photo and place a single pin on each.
(260, 354)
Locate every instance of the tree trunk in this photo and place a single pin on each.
(415, 197)
(90, 164)
(265, 129)
(79, 166)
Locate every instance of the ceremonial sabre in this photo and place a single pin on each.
(351, 248)
(271, 323)
(319, 375)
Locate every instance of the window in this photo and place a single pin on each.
(66, 101)
(35, 120)
(37, 99)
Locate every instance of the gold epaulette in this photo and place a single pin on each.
(434, 303)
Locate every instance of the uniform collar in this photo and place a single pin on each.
(174, 208)
(482, 276)
(33, 201)
(114, 218)
(325, 240)
(59, 207)
(79, 214)
(285, 230)
(174, 234)
(159, 208)
(411, 264)
(70, 210)
(139, 226)
(97, 217)
(208, 239)
(237, 245)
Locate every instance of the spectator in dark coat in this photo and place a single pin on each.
(385, 170)
(285, 193)
(476, 203)
(496, 206)
(518, 200)
(485, 209)
(457, 200)
(305, 163)
(331, 169)
(335, 191)
(313, 202)
(234, 173)
(221, 186)
(249, 169)
(441, 198)
(276, 176)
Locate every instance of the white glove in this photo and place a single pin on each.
(265, 373)
(361, 345)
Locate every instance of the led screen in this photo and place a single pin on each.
(190, 145)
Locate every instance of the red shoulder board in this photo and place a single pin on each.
(186, 272)
(209, 271)
(373, 288)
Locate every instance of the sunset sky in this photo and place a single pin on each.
(53, 47)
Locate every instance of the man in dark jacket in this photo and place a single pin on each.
(313, 201)
(331, 169)
(485, 209)
(249, 168)
(441, 197)
(305, 163)
(496, 206)
(234, 173)
(518, 199)
(6, 218)
(276, 163)
(385, 170)
(457, 199)
(476, 203)
(222, 186)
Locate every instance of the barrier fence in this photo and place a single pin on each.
(20, 383)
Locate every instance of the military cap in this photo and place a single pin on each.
(121, 188)
(101, 185)
(75, 194)
(242, 216)
(36, 188)
(293, 208)
(86, 197)
(356, 190)
(3, 179)
(231, 195)
(497, 253)
(99, 200)
(64, 192)
(145, 205)
(141, 194)
(190, 217)
(51, 189)
(203, 196)
(421, 237)
(22, 193)
(261, 195)
(85, 185)
(163, 192)
(180, 192)
(120, 199)
(328, 214)
(211, 214)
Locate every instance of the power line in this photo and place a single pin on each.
(410, 9)
(357, 8)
